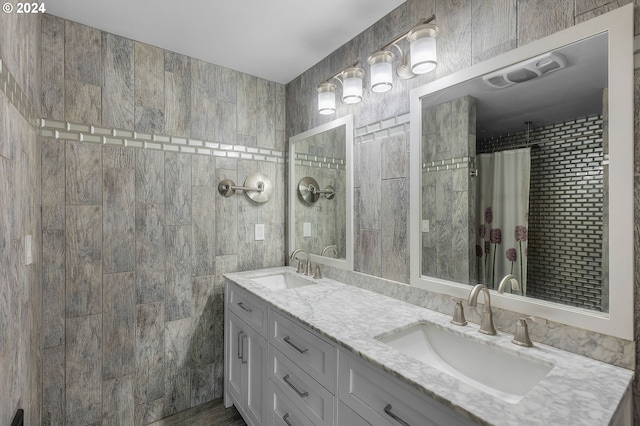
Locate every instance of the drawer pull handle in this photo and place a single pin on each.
(296, 347)
(284, 419)
(292, 386)
(244, 307)
(390, 413)
(240, 348)
(245, 336)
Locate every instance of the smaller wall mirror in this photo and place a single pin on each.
(320, 193)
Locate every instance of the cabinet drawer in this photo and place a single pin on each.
(304, 348)
(283, 412)
(383, 400)
(248, 308)
(348, 417)
(308, 395)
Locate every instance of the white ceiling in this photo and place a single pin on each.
(276, 40)
(556, 97)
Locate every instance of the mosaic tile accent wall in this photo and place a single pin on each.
(21, 301)
(137, 237)
(565, 256)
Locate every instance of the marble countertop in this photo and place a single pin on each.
(577, 391)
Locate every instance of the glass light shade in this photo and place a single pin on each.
(381, 67)
(326, 98)
(422, 45)
(352, 85)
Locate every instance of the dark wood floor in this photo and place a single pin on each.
(207, 414)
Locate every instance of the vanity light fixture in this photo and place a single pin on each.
(352, 87)
(326, 98)
(420, 57)
(422, 46)
(381, 67)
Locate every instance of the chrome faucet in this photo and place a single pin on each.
(308, 270)
(486, 325)
(300, 267)
(331, 247)
(509, 278)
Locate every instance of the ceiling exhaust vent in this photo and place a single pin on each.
(526, 70)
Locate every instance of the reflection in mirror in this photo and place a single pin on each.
(527, 145)
(515, 177)
(320, 195)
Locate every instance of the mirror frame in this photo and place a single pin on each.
(347, 121)
(618, 322)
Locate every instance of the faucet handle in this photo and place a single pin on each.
(309, 269)
(537, 320)
(318, 274)
(458, 313)
(521, 336)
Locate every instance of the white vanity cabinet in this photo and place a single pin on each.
(246, 356)
(316, 356)
(278, 372)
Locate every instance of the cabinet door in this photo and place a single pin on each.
(255, 369)
(235, 341)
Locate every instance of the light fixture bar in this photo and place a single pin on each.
(355, 64)
(406, 33)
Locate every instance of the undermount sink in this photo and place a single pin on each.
(281, 281)
(486, 367)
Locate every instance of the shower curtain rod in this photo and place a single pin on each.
(531, 144)
(524, 145)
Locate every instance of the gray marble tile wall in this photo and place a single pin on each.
(474, 30)
(381, 190)
(136, 240)
(449, 133)
(21, 303)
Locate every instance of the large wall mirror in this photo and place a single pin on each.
(320, 193)
(526, 168)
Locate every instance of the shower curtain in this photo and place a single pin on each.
(502, 209)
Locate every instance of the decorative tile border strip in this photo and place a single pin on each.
(449, 164)
(17, 96)
(383, 129)
(318, 161)
(64, 130)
